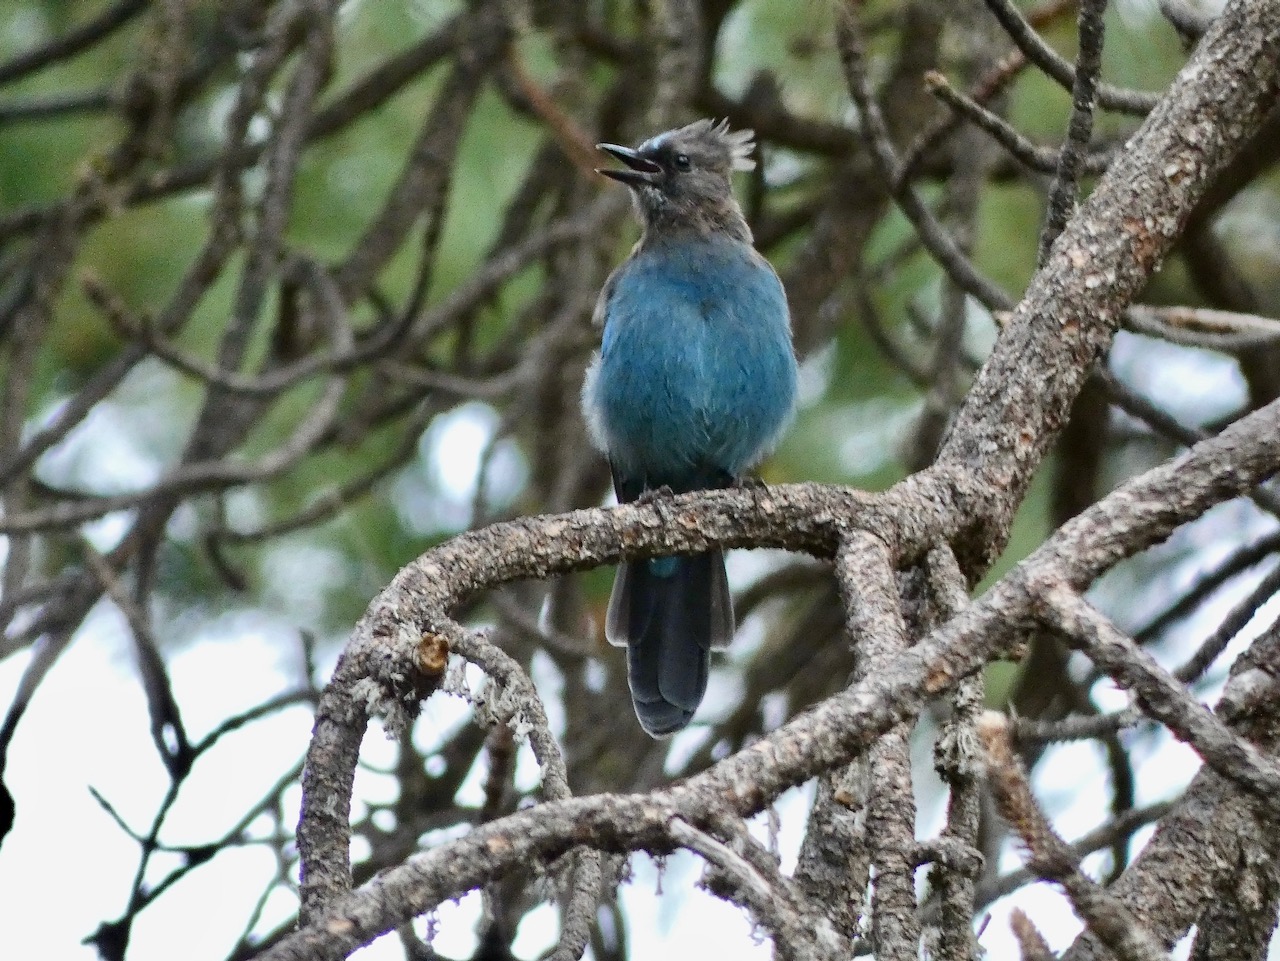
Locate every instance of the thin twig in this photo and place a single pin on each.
(1233, 623)
(1107, 917)
(1219, 330)
(1208, 581)
(934, 236)
(166, 718)
(1048, 60)
(72, 43)
(1084, 91)
(1031, 155)
(1117, 829)
(798, 936)
(1159, 694)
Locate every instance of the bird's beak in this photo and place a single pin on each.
(640, 170)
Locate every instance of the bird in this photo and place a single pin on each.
(693, 386)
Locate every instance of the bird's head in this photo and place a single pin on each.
(681, 178)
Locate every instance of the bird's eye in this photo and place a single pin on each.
(682, 161)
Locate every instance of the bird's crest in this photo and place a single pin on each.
(739, 144)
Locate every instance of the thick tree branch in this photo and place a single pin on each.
(377, 671)
(1070, 311)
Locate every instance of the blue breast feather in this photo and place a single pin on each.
(696, 375)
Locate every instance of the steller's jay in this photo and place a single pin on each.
(695, 381)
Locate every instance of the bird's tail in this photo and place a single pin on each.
(669, 613)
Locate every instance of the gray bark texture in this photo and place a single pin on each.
(1017, 406)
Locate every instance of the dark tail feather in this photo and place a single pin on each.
(670, 613)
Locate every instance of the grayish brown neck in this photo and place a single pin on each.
(668, 218)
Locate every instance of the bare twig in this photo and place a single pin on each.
(940, 245)
(1162, 697)
(1084, 90)
(1044, 57)
(1033, 156)
(1053, 860)
(76, 41)
(1220, 330)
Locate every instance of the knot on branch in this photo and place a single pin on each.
(392, 673)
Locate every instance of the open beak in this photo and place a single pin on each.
(640, 170)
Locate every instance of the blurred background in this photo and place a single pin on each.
(290, 292)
